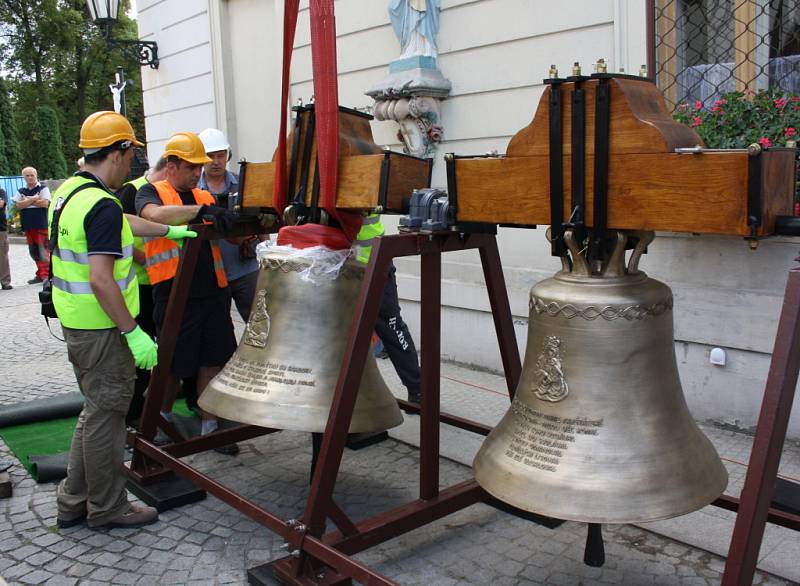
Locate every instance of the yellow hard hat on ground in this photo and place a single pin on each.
(102, 129)
(187, 146)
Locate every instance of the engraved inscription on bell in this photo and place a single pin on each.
(549, 381)
(257, 330)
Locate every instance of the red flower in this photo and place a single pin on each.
(765, 142)
(780, 103)
(698, 105)
(696, 121)
(789, 132)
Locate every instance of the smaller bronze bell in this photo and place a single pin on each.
(283, 374)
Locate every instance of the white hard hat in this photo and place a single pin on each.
(214, 140)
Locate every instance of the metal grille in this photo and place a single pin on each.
(706, 48)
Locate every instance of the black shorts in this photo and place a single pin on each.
(206, 337)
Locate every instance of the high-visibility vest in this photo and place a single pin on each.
(162, 255)
(74, 300)
(138, 241)
(371, 228)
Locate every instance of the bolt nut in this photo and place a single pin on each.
(576, 69)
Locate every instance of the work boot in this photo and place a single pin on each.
(35, 280)
(133, 517)
(414, 396)
(67, 522)
(7, 287)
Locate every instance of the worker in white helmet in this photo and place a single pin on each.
(239, 259)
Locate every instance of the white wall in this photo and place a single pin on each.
(179, 95)
(496, 53)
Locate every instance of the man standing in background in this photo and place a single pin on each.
(239, 260)
(32, 201)
(5, 270)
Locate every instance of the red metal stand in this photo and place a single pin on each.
(319, 558)
(754, 505)
(145, 471)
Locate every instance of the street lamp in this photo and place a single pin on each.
(105, 14)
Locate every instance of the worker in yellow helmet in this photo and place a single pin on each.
(96, 296)
(206, 339)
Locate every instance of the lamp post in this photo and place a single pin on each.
(105, 14)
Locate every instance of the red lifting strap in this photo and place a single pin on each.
(323, 52)
(326, 95)
(289, 26)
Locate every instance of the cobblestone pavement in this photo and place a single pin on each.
(210, 543)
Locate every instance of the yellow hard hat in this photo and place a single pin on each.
(102, 129)
(187, 146)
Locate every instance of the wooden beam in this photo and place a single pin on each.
(667, 50)
(745, 40)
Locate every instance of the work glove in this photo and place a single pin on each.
(179, 233)
(222, 218)
(143, 348)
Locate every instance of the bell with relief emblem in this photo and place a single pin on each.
(599, 430)
(283, 374)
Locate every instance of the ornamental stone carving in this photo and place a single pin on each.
(412, 92)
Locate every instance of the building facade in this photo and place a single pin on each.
(220, 67)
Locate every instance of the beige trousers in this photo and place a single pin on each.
(95, 482)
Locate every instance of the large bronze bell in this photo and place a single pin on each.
(283, 374)
(599, 430)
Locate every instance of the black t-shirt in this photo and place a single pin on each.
(127, 195)
(204, 280)
(103, 227)
(102, 224)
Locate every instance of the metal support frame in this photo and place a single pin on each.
(315, 553)
(753, 507)
(144, 470)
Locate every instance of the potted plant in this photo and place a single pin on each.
(770, 118)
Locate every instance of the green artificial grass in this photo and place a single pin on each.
(51, 437)
(39, 439)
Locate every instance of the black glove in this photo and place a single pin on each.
(222, 218)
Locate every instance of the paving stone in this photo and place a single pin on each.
(41, 558)
(36, 577)
(104, 574)
(80, 569)
(61, 581)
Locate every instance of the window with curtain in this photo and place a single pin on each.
(705, 48)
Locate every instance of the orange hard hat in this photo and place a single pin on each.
(187, 146)
(105, 128)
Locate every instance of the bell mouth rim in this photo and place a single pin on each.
(630, 278)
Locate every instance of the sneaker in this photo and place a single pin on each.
(161, 438)
(414, 397)
(133, 517)
(7, 287)
(35, 280)
(229, 450)
(67, 522)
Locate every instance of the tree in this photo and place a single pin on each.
(46, 139)
(55, 56)
(9, 144)
(4, 166)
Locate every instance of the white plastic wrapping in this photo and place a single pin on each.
(324, 264)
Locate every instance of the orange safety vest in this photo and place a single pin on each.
(162, 255)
